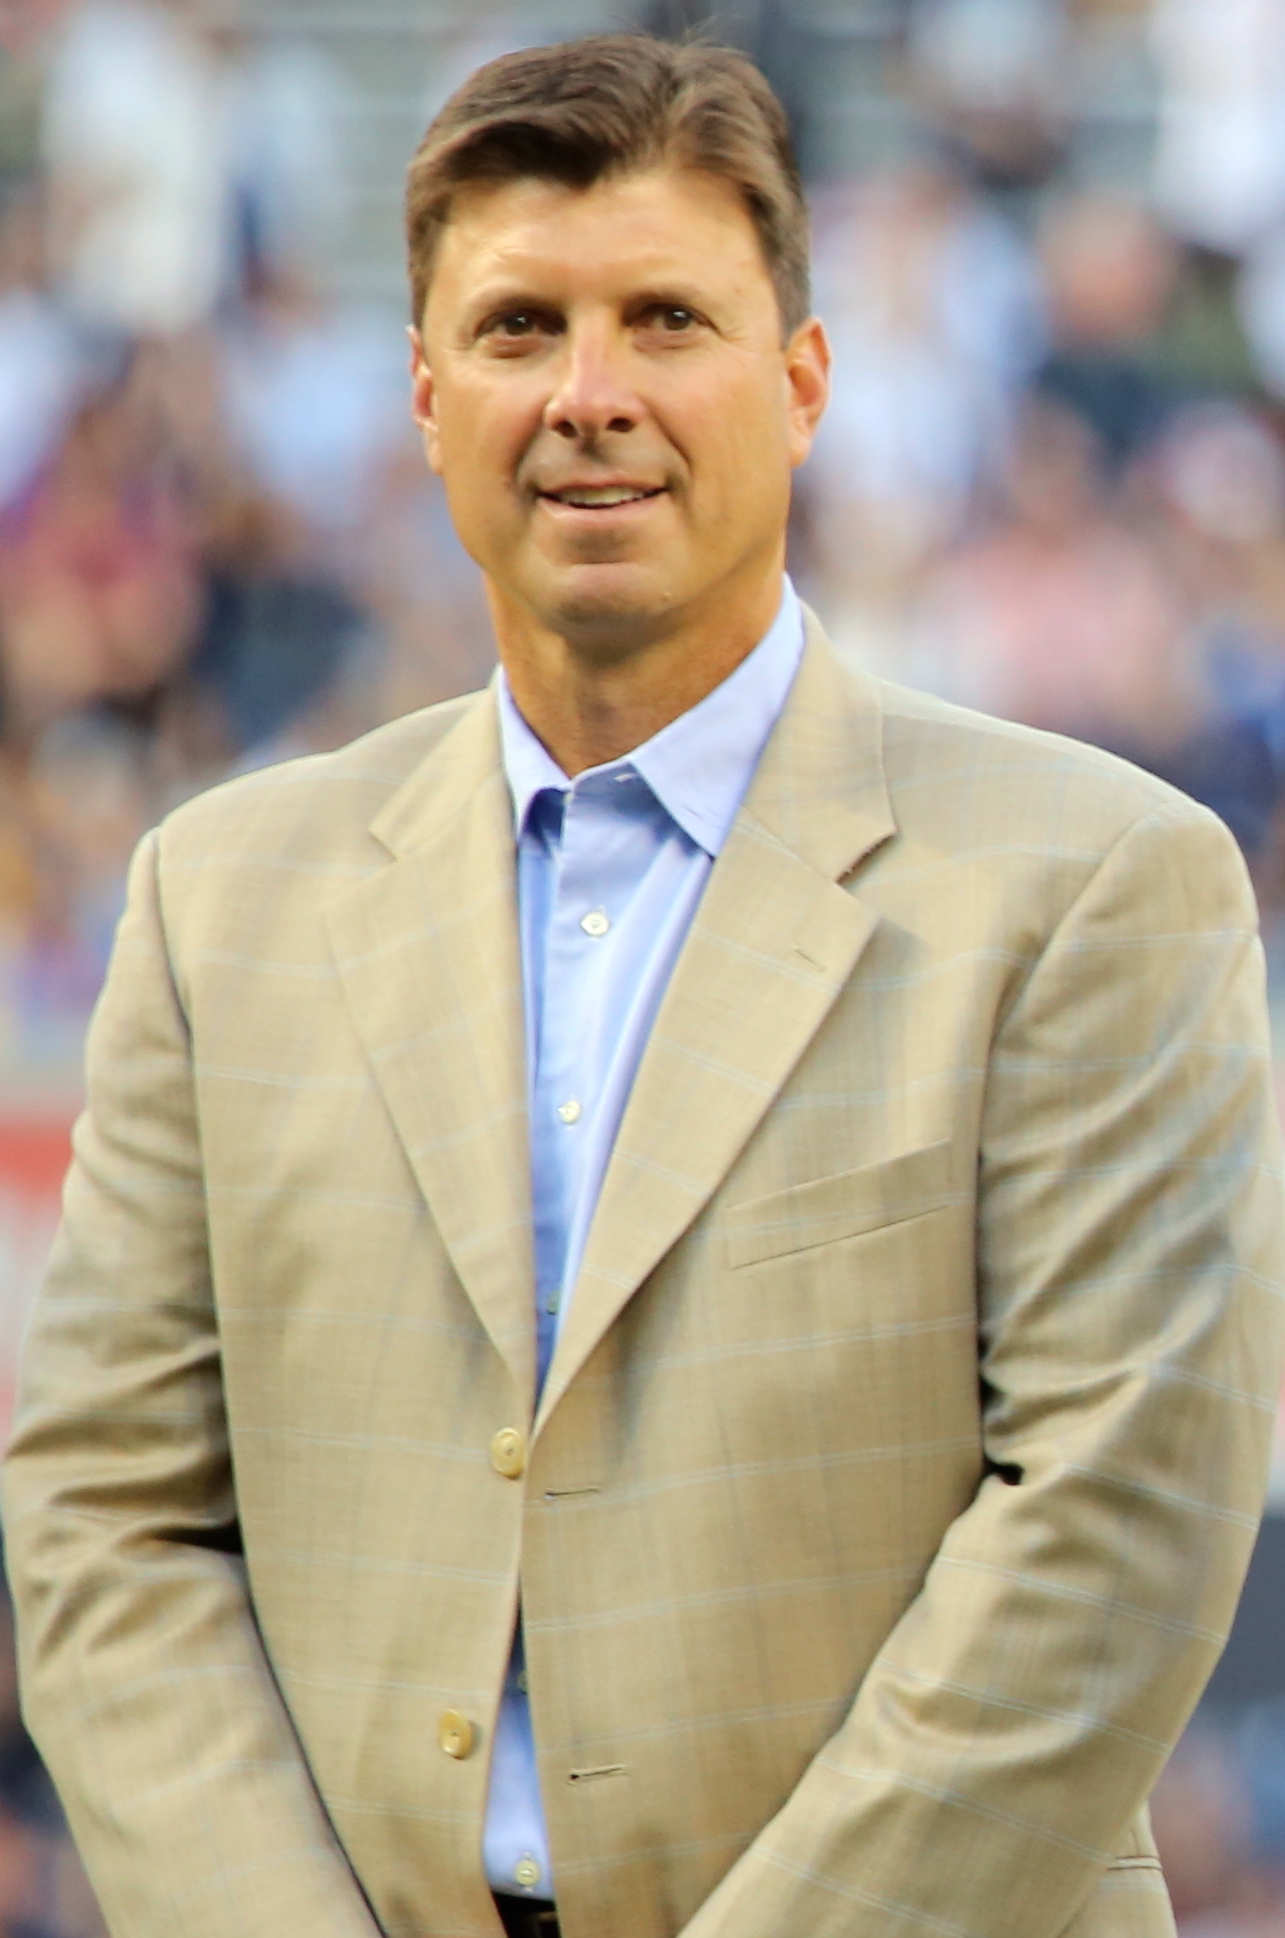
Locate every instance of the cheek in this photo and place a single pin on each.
(475, 458)
(749, 425)
(482, 434)
(467, 439)
(748, 446)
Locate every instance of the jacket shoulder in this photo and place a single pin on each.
(317, 808)
(964, 780)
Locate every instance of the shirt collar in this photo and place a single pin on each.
(700, 765)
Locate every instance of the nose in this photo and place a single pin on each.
(592, 394)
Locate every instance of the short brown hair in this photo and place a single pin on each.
(615, 104)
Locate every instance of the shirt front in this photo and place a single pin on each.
(610, 869)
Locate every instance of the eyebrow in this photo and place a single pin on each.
(511, 296)
(673, 295)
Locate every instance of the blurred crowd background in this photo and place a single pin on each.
(1050, 248)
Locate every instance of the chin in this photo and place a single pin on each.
(614, 616)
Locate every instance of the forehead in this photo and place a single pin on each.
(640, 230)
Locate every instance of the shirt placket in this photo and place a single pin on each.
(567, 1083)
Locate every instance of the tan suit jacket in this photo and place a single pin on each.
(896, 1473)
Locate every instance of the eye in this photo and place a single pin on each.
(674, 318)
(516, 327)
(673, 324)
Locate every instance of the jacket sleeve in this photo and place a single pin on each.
(144, 1680)
(1129, 1253)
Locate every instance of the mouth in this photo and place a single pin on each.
(601, 497)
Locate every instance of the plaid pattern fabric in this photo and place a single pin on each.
(900, 1461)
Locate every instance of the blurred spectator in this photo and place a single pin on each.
(1222, 1868)
(276, 633)
(99, 590)
(177, 153)
(136, 149)
(287, 105)
(1109, 274)
(1220, 163)
(1056, 613)
(1219, 480)
(932, 305)
(23, 28)
(422, 589)
(81, 802)
(989, 74)
(42, 366)
(1259, 1745)
(314, 396)
(1138, 323)
(1203, 347)
(1200, 1818)
(1261, 303)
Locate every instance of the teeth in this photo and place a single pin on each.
(590, 495)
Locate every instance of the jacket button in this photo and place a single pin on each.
(508, 1453)
(455, 1733)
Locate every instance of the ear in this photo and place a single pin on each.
(423, 400)
(807, 376)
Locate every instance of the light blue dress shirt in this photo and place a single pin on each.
(610, 869)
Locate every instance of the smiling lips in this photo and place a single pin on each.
(601, 497)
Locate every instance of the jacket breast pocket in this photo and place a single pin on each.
(845, 1205)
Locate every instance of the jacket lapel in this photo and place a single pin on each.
(428, 951)
(774, 941)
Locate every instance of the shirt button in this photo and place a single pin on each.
(570, 1111)
(455, 1734)
(552, 1303)
(508, 1453)
(526, 1872)
(596, 922)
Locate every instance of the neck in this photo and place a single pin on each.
(590, 704)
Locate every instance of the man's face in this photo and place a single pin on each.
(604, 389)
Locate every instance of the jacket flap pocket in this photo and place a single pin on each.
(842, 1206)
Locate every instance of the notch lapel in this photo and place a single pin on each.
(773, 942)
(428, 951)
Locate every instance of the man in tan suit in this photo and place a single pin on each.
(877, 1474)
